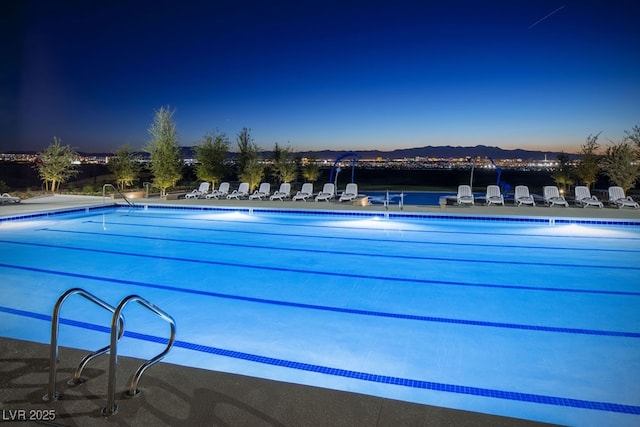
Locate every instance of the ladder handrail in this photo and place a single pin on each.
(53, 350)
(112, 407)
(104, 187)
(146, 186)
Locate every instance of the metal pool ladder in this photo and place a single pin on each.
(104, 189)
(117, 331)
(112, 407)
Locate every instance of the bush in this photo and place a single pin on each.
(89, 189)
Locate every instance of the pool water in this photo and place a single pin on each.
(530, 319)
(423, 198)
(420, 198)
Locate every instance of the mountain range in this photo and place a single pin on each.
(443, 152)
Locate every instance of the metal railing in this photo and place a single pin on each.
(112, 407)
(104, 188)
(146, 188)
(117, 331)
(387, 201)
(52, 394)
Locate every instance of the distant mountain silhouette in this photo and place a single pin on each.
(444, 152)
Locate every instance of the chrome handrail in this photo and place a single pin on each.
(52, 394)
(104, 188)
(146, 186)
(112, 407)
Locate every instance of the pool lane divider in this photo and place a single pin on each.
(414, 317)
(348, 275)
(363, 376)
(347, 238)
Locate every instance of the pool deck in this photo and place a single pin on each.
(175, 395)
(56, 202)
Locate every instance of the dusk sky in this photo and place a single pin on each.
(343, 75)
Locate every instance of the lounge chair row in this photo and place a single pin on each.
(284, 192)
(8, 198)
(551, 195)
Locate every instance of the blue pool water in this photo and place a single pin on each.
(535, 319)
(420, 198)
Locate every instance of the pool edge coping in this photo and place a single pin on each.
(544, 219)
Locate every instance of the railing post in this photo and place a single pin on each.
(104, 188)
(52, 394)
(112, 407)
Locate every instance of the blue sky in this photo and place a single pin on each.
(321, 74)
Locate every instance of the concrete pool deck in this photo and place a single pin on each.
(173, 395)
(176, 395)
(56, 202)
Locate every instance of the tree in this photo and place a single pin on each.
(166, 161)
(588, 167)
(252, 173)
(310, 169)
(211, 155)
(250, 168)
(634, 136)
(285, 168)
(124, 166)
(563, 175)
(247, 149)
(55, 165)
(620, 165)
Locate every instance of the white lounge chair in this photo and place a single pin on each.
(349, 193)
(617, 198)
(521, 196)
(263, 191)
(284, 192)
(201, 191)
(241, 192)
(304, 193)
(328, 192)
(494, 196)
(222, 191)
(552, 196)
(465, 195)
(584, 197)
(8, 198)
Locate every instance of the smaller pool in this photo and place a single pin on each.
(410, 197)
(424, 198)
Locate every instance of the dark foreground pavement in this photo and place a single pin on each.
(174, 395)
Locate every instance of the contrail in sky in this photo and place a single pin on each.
(540, 20)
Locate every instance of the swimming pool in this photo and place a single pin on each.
(424, 198)
(526, 317)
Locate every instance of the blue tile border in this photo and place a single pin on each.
(55, 213)
(369, 214)
(363, 376)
